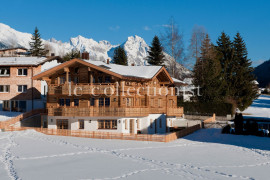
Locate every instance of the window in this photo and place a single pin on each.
(99, 79)
(76, 102)
(22, 88)
(107, 101)
(61, 102)
(76, 80)
(81, 124)
(101, 102)
(67, 102)
(62, 80)
(107, 79)
(107, 124)
(160, 123)
(4, 71)
(4, 88)
(76, 70)
(62, 123)
(22, 72)
(92, 101)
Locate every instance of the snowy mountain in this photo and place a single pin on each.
(135, 47)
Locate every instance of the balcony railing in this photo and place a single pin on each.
(106, 88)
(179, 111)
(110, 111)
(96, 111)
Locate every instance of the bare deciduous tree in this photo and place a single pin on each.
(172, 41)
(197, 37)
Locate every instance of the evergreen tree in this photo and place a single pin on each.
(156, 56)
(245, 89)
(36, 46)
(207, 73)
(72, 55)
(225, 50)
(120, 56)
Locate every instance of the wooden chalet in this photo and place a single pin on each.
(97, 96)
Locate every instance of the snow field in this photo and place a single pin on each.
(206, 154)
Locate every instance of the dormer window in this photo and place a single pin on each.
(22, 72)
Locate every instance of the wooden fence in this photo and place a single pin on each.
(108, 135)
(7, 123)
(211, 119)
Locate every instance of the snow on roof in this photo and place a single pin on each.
(9, 61)
(131, 71)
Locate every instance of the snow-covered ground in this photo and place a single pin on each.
(206, 154)
(259, 108)
(6, 115)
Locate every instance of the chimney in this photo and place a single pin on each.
(132, 64)
(85, 55)
(108, 61)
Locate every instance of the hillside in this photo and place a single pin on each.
(262, 72)
(135, 47)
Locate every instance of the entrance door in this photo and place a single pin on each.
(131, 126)
(62, 124)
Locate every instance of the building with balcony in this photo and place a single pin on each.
(98, 96)
(18, 91)
(13, 52)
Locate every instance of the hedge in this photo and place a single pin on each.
(206, 109)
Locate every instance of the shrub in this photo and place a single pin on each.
(207, 109)
(226, 129)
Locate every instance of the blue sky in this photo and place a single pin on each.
(115, 20)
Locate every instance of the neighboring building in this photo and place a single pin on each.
(13, 52)
(18, 92)
(97, 96)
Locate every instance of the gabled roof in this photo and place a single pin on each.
(25, 61)
(146, 72)
(142, 72)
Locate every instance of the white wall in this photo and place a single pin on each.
(44, 67)
(144, 123)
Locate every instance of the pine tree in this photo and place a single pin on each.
(207, 73)
(72, 55)
(36, 46)
(245, 89)
(156, 56)
(120, 56)
(225, 50)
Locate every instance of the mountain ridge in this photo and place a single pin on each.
(135, 47)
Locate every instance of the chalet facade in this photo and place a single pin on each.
(97, 96)
(18, 91)
(13, 52)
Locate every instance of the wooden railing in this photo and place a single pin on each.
(111, 111)
(82, 89)
(5, 124)
(108, 135)
(106, 88)
(175, 135)
(179, 111)
(211, 119)
(96, 111)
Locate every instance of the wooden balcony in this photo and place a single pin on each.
(96, 111)
(179, 111)
(78, 89)
(111, 112)
(106, 88)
